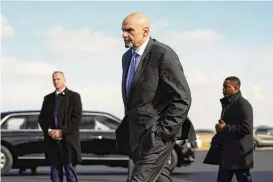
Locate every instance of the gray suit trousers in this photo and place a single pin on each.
(150, 163)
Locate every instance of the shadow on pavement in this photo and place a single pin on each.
(46, 173)
(115, 176)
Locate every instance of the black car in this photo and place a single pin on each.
(22, 142)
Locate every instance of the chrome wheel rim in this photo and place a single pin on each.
(3, 160)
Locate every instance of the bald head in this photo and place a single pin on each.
(136, 29)
(139, 19)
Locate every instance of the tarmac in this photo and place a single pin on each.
(197, 172)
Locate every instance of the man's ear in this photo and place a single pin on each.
(234, 88)
(146, 31)
(237, 87)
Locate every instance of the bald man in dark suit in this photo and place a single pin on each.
(156, 98)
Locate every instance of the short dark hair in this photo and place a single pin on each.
(234, 80)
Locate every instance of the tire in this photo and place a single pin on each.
(6, 160)
(173, 160)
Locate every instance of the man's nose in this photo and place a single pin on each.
(124, 34)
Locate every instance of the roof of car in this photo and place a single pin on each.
(263, 127)
(5, 113)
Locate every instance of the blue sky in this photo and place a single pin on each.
(213, 40)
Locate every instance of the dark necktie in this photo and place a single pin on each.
(56, 112)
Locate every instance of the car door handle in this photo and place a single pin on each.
(39, 137)
(96, 137)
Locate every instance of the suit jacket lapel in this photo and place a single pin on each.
(49, 108)
(125, 72)
(142, 64)
(51, 102)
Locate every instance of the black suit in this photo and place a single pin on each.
(67, 150)
(155, 109)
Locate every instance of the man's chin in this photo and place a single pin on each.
(128, 45)
(225, 95)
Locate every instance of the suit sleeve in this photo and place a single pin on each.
(179, 97)
(245, 126)
(41, 117)
(76, 117)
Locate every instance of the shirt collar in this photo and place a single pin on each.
(57, 92)
(142, 48)
(233, 98)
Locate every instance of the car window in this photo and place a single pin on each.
(261, 132)
(87, 122)
(101, 126)
(270, 132)
(21, 122)
(106, 122)
(98, 122)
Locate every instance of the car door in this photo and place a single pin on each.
(86, 128)
(99, 143)
(36, 138)
(14, 131)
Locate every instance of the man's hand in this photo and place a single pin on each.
(55, 134)
(219, 127)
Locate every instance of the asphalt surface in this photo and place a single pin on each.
(197, 172)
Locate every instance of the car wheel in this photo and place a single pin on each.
(172, 161)
(6, 160)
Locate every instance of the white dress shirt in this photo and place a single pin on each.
(140, 52)
(57, 92)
